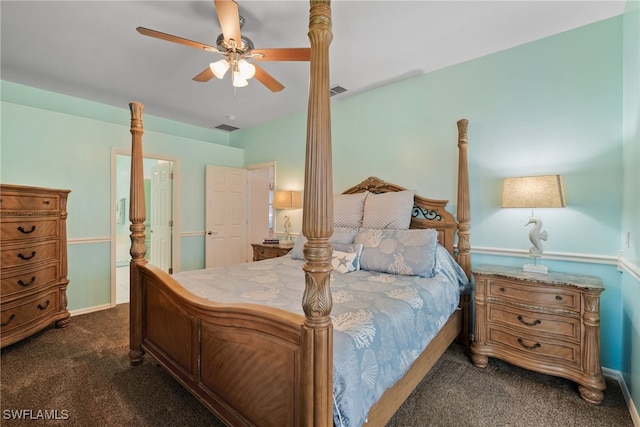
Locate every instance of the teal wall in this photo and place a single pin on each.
(551, 106)
(71, 149)
(631, 199)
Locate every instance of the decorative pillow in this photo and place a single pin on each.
(388, 210)
(341, 235)
(350, 248)
(344, 262)
(348, 209)
(405, 252)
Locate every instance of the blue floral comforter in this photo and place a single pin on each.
(382, 322)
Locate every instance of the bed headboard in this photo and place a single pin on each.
(426, 213)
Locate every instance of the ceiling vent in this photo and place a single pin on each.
(226, 128)
(337, 90)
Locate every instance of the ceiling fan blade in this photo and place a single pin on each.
(282, 54)
(266, 79)
(175, 39)
(229, 18)
(204, 76)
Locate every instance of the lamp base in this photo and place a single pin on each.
(287, 243)
(535, 268)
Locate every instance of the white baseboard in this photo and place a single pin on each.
(617, 376)
(90, 309)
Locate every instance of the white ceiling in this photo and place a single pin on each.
(91, 50)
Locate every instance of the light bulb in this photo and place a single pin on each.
(219, 68)
(247, 70)
(238, 80)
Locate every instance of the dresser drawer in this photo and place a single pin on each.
(30, 280)
(561, 298)
(29, 202)
(29, 254)
(28, 311)
(534, 322)
(541, 348)
(21, 228)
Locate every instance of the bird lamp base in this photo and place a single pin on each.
(535, 268)
(287, 243)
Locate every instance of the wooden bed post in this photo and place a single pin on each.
(317, 226)
(463, 216)
(137, 216)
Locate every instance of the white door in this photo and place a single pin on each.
(226, 216)
(160, 219)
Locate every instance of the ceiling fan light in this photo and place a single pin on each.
(219, 68)
(238, 80)
(247, 70)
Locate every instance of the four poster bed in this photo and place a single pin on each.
(227, 336)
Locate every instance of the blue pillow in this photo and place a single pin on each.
(404, 252)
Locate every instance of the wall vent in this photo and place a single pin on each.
(336, 90)
(226, 128)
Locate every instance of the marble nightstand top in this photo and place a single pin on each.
(556, 278)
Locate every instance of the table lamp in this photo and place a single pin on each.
(534, 192)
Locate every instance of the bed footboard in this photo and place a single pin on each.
(244, 362)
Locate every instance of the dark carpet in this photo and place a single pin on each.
(81, 375)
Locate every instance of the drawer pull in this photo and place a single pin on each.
(9, 320)
(534, 323)
(21, 283)
(27, 257)
(501, 289)
(22, 230)
(558, 298)
(528, 347)
(46, 202)
(46, 304)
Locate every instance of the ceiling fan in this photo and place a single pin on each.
(237, 49)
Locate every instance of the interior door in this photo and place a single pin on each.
(161, 221)
(226, 216)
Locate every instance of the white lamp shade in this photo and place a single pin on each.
(247, 70)
(219, 68)
(238, 80)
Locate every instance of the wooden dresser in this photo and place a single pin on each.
(549, 323)
(34, 261)
(264, 251)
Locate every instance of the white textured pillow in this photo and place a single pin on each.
(348, 209)
(388, 210)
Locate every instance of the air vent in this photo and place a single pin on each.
(336, 90)
(227, 128)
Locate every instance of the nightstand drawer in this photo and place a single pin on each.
(549, 296)
(265, 251)
(532, 322)
(535, 346)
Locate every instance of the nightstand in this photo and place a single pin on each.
(548, 323)
(263, 251)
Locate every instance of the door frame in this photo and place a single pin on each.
(249, 168)
(175, 211)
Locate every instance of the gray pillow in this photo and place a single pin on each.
(405, 252)
(388, 210)
(348, 209)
